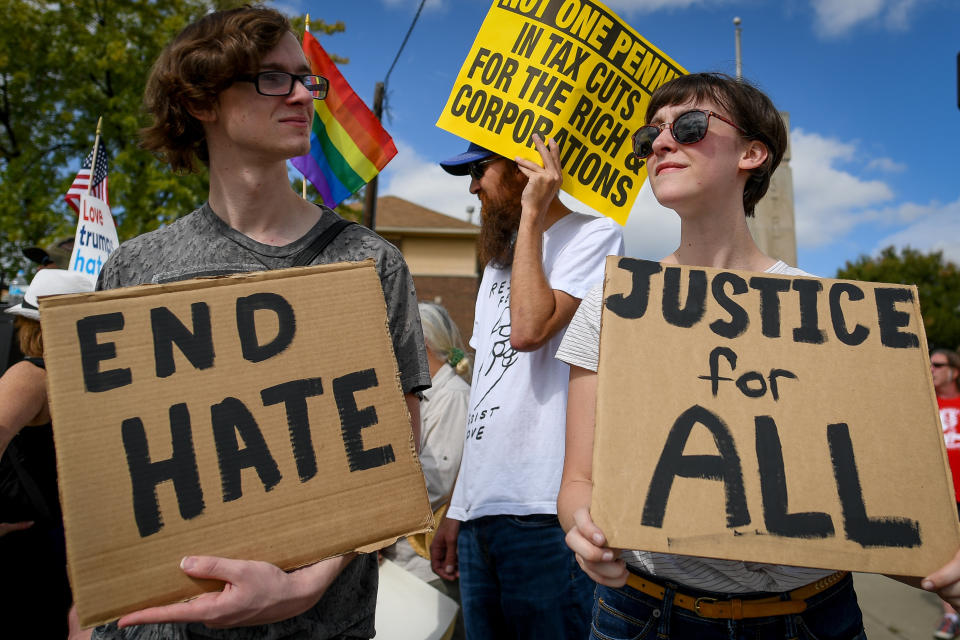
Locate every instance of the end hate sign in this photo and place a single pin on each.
(257, 416)
(770, 418)
(570, 69)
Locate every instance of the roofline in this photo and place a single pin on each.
(429, 231)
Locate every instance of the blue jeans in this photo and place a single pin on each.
(518, 579)
(619, 614)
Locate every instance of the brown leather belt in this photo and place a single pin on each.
(737, 609)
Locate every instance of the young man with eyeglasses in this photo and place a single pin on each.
(234, 92)
(517, 578)
(714, 164)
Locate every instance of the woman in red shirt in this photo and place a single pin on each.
(945, 369)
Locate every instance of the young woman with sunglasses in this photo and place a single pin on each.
(711, 145)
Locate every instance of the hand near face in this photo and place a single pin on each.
(543, 183)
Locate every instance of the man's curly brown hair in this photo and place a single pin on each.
(206, 58)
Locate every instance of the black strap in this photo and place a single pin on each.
(309, 254)
(37, 500)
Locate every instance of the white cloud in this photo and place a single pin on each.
(652, 230)
(829, 201)
(414, 178)
(887, 165)
(935, 227)
(646, 6)
(836, 17)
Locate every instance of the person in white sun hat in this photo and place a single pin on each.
(31, 529)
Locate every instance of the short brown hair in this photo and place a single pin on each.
(29, 337)
(749, 107)
(206, 58)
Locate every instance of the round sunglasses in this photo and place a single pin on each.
(688, 128)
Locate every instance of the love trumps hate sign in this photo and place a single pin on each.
(256, 416)
(570, 69)
(780, 419)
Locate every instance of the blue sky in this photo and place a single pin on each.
(870, 86)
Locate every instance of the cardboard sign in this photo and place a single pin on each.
(96, 237)
(789, 420)
(256, 416)
(570, 69)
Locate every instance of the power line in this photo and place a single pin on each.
(404, 43)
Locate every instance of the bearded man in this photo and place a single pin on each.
(501, 534)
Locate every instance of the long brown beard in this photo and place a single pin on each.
(500, 221)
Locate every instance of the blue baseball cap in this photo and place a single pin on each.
(459, 165)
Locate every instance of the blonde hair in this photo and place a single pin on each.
(443, 338)
(29, 336)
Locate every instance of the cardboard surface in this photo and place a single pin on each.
(291, 437)
(769, 419)
(572, 70)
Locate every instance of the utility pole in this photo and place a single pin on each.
(736, 36)
(773, 224)
(370, 199)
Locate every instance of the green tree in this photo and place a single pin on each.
(62, 66)
(937, 281)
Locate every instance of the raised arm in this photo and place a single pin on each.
(537, 311)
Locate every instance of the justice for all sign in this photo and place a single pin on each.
(257, 416)
(570, 69)
(789, 420)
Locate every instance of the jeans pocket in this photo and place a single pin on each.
(804, 633)
(622, 619)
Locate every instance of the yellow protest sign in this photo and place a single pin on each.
(769, 418)
(570, 69)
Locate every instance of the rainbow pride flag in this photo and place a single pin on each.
(348, 145)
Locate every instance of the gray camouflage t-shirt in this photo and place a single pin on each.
(201, 244)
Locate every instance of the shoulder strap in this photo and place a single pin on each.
(310, 253)
(37, 362)
(33, 491)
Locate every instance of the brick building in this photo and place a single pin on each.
(441, 252)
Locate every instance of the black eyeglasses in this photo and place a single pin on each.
(937, 365)
(281, 83)
(688, 128)
(477, 168)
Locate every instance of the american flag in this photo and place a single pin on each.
(80, 183)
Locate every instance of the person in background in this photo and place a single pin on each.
(54, 256)
(517, 578)
(711, 143)
(945, 371)
(443, 422)
(32, 551)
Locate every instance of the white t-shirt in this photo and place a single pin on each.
(513, 452)
(581, 347)
(443, 417)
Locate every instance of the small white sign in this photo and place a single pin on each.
(96, 237)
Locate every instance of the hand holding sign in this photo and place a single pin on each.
(597, 560)
(254, 593)
(945, 581)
